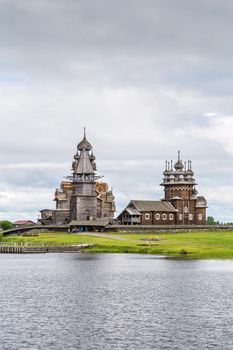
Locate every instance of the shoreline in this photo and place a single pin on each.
(185, 246)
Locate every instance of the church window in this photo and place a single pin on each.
(171, 217)
(147, 216)
(199, 217)
(164, 216)
(190, 216)
(157, 216)
(180, 217)
(186, 210)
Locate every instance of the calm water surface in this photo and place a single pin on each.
(79, 301)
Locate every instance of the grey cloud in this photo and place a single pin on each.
(141, 25)
(180, 42)
(141, 75)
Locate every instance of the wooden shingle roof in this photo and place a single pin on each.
(144, 205)
(84, 164)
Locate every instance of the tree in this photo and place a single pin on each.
(210, 221)
(6, 225)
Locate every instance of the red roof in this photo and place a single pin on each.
(22, 222)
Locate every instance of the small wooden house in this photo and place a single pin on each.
(22, 223)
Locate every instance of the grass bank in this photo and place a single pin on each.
(190, 245)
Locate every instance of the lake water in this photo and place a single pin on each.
(107, 301)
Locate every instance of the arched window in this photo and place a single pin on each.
(199, 217)
(171, 217)
(164, 216)
(157, 216)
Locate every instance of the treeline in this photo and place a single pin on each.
(211, 221)
(5, 225)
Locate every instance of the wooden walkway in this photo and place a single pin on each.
(25, 249)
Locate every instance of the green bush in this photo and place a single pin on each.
(5, 225)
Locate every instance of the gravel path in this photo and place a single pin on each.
(104, 235)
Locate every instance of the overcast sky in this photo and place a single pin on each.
(146, 77)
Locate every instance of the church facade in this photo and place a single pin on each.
(81, 198)
(180, 206)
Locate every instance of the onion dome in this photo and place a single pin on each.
(170, 169)
(189, 171)
(92, 157)
(194, 191)
(166, 171)
(84, 143)
(74, 165)
(77, 156)
(179, 165)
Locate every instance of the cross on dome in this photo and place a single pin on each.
(84, 144)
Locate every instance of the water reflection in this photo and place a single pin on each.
(114, 301)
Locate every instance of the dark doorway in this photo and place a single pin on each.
(86, 214)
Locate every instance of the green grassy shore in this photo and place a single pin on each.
(190, 245)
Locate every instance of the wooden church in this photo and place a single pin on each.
(81, 199)
(180, 206)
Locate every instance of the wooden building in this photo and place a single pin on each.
(148, 213)
(180, 206)
(23, 223)
(82, 197)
